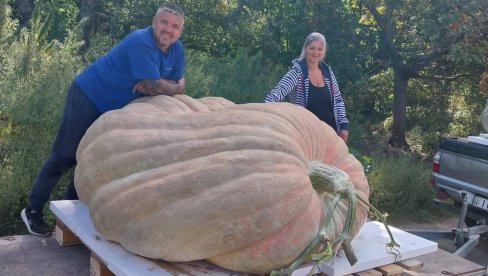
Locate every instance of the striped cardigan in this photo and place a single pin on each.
(295, 84)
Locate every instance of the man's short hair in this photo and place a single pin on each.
(172, 8)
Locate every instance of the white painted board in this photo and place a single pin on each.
(371, 250)
(369, 246)
(118, 260)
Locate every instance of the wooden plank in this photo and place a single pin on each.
(411, 273)
(411, 264)
(64, 236)
(97, 267)
(445, 263)
(390, 269)
(369, 272)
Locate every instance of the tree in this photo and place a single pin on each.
(95, 16)
(24, 8)
(426, 39)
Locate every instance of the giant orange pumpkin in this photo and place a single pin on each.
(182, 179)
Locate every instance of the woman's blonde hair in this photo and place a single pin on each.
(311, 38)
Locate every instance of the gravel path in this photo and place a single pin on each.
(477, 255)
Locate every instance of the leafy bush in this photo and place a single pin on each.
(241, 79)
(32, 99)
(400, 187)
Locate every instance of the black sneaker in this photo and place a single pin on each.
(35, 223)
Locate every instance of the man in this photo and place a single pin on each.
(148, 61)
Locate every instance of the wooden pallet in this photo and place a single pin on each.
(398, 268)
(65, 237)
(108, 258)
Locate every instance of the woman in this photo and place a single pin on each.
(311, 83)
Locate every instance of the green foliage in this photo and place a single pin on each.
(64, 18)
(99, 45)
(462, 120)
(373, 96)
(7, 25)
(241, 79)
(422, 142)
(400, 186)
(34, 110)
(31, 104)
(128, 15)
(428, 40)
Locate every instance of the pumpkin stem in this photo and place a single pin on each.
(336, 179)
(382, 217)
(328, 180)
(321, 237)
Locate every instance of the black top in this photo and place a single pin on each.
(320, 104)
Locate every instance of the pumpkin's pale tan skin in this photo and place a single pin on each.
(184, 179)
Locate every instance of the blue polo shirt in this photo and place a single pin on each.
(109, 80)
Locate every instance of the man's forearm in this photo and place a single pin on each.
(168, 87)
(160, 87)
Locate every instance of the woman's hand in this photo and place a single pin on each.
(344, 134)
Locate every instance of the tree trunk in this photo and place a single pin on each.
(87, 7)
(90, 9)
(25, 9)
(400, 86)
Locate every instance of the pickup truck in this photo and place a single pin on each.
(460, 173)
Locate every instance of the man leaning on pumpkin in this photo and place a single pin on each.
(148, 61)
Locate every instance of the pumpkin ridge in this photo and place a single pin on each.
(164, 103)
(217, 161)
(169, 125)
(289, 241)
(273, 141)
(213, 158)
(256, 207)
(196, 149)
(129, 190)
(299, 120)
(99, 174)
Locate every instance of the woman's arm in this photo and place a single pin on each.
(339, 107)
(286, 85)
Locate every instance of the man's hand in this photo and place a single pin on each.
(160, 87)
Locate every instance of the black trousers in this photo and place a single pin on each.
(79, 113)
